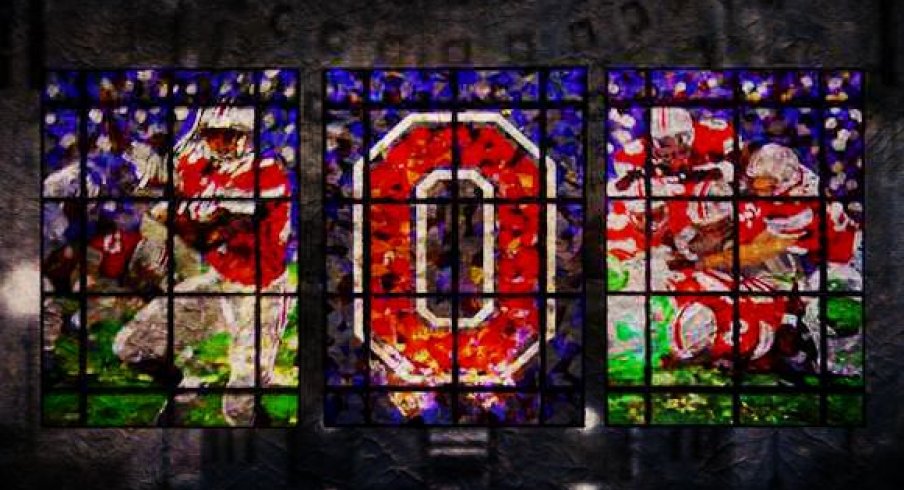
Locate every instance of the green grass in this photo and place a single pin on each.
(779, 409)
(626, 357)
(62, 366)
(768, 379)
(625, 409)
(844, 409)
(209, 360)
(213, 349)
(292, 269)
(616, 275)
(281, 409)
(626, 369)
(204, 410)
(838, 380)
(690, 375)
(63, 371)
(287, 351)
(125, 410)
(104, 367)
(691, 408)
(844, 315)
(60, 408)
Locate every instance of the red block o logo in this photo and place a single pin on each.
(497, 335)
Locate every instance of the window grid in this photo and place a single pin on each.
(69, 91)
(738, 387)
(455, 106)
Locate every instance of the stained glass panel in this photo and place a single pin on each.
(734, 251)
(454, 219)
(170, 248)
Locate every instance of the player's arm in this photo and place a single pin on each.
(764, 247)
(628, 178)
(149, 165)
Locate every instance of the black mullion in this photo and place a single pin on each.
(604, 247)
(465, 425)
(365, 238)
(156, 199)
(861, 105)
(295, 206)
(620, 389)
(586, 265)
(684, 425)
(456, 247)
(823, 245)
(458, 104)
(461, 200)
(746, 389)
(729, 199)
(448, 388)
(83, 251)
(396, 294)
(324, 297)
(42, 131)
(728, 292)
(544, 199)
(423, 200)
(648, 234)
(138, 390)
(737, 375)
(258, 214)
(203, 68)
(169, 411)
(720, 104)
(182, 294)
(497, 294)
(478, 67)
(150, 104)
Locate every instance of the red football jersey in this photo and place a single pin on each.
(788, 219)
(626, 236)
(843, 235)
(116, 250)
(713, 140)
(198, 177)
(760, 318)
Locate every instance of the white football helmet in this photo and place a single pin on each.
(778, 163)
(694, 330)
(671, 122)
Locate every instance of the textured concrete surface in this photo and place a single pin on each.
(312, 35)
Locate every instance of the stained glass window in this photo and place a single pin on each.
(454, 216)
(734, 215)
(169, 253)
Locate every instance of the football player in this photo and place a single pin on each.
(214, 251)
(775, 170)
(778, 335)
(685, 155)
